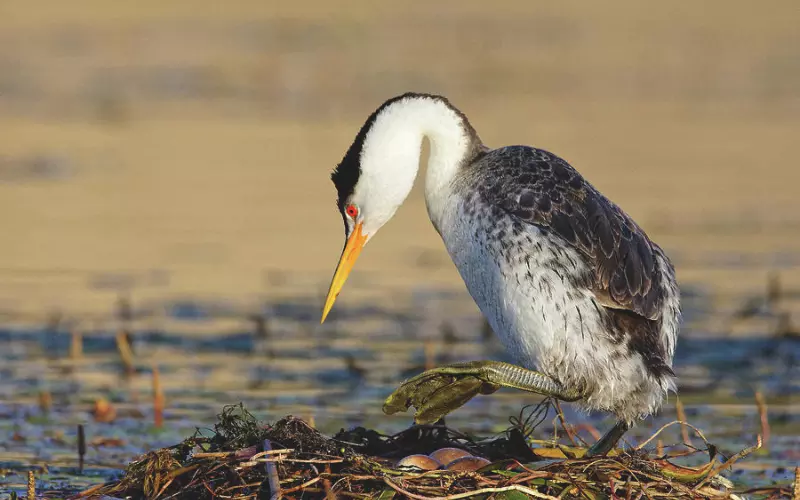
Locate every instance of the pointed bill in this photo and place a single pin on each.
(351, 251)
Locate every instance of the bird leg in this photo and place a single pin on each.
(437, 392)
(607, 442)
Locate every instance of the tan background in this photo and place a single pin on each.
(184, 148)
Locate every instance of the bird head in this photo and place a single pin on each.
(372, 180)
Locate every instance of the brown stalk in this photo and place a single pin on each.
(761, 403)
(329, 494)
(125, 352)
(514, 487)
(301, 461)
(682, 417)
(592, 430)
(76, 345)
(158, 399)
(240, 454)
(31, 486)
(567, 428)
(303, 486)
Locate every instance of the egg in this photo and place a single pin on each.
(447, 455)
(423, 462)
(467, 464)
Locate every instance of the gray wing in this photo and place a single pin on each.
(538, 187)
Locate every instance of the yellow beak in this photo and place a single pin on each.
(352, 249)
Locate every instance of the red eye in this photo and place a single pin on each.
(351, 211)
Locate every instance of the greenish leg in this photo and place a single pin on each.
(607, 442)
(437, 392)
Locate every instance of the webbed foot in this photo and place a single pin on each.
(437, 392)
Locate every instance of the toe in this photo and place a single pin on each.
(415, 392)
(447, 399)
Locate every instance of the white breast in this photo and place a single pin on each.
(525, 302)
(544, 321)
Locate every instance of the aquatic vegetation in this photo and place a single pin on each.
(246, 459)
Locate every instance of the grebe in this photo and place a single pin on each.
(579, 295)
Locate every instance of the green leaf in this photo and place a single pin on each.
(387, 494)
(511, 495)
(684, 474)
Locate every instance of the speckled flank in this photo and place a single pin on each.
(570, 283)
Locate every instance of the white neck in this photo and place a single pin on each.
(391, 152)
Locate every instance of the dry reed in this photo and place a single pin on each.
(158, 399)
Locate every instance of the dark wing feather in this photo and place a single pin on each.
(540, 188)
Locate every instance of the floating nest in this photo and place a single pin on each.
(291, 459)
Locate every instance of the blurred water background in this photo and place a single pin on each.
(164, 172)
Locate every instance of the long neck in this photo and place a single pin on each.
(396, 140)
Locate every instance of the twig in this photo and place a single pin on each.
(281, 451)
(300, 461)
(565, 425)
(590, 429)
(90, 491)
(231, 454)
(171, 477)
(329, 494)
(302, 486)
(575, 484)
(644, 490)
(241, 486)
(513, 487)
(342, 493)
(215, 454)
(630, 471)
(716, 470)
(521, 478)
(661, 429)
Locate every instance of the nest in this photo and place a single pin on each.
(291, 459)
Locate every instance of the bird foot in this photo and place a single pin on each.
(436, 392)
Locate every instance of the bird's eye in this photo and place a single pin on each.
(351, 211)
